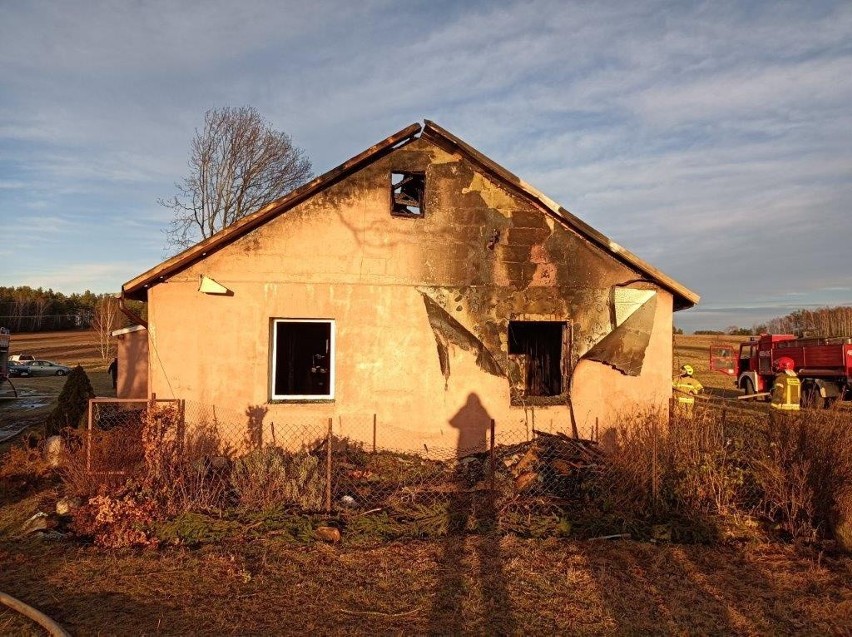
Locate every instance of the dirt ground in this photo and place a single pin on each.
(37, 396)
(72, 347)
(475, 585)
(472, 585)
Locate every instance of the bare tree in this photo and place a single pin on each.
(105, 320)
(238, 163)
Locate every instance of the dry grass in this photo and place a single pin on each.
(12, 623)
(477, 585)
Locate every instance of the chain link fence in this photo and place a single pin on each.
(381, 475)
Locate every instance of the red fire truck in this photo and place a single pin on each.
(824, 365)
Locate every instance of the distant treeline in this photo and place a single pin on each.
(825, 321)
(24, 309)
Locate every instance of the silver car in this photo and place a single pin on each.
(44, 368)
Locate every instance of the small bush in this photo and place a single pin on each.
(161, 446)
(705, 461)
(73, 402)
(101, 462)
(193, 528)
(177, 470)
(24, 460)
(116, 521)
(270, 477)
(794, 470)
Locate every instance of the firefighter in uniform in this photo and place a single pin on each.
(685, 388)
(786, 392)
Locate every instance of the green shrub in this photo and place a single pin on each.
(73, 402)
(194, 528)
(270, 477)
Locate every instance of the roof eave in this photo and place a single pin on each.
(137, 288)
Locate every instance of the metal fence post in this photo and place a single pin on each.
(181, 427)
(374, 433)
(89, 439)
(328, 467)
(654, 430)
(491, 467)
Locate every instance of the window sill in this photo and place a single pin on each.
(538, 401)
(299, 401)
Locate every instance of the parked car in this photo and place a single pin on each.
(17, 369)
(21, 358)
(44, 368)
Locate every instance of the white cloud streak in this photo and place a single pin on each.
(712, 138)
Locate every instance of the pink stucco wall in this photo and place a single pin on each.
(341, 256)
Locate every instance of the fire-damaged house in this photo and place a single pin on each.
(423, 283)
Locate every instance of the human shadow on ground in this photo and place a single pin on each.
(471, 510)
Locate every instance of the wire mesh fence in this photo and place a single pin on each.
(706, 460)
(353, 462)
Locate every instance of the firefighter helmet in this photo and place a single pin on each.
(785, 363)
(687, 369)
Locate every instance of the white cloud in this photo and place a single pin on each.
(707, 137)
(75, 277)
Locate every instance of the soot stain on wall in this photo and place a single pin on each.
(491, 255)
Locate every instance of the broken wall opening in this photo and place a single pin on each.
(542, 350)
(407, 191)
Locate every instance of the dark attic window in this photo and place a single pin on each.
(407, 190)
(540, 345)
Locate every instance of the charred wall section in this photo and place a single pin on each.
(489, 256)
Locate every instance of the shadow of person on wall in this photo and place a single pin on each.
(254, 426)
(471, 509)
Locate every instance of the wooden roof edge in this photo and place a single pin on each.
(137, 287)
(687, 298)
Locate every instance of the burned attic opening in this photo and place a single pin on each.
(303, 359)
(407, 190)
(541, 347)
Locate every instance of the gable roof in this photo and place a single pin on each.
(137, 288)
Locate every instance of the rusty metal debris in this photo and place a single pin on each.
(448, 330)
(624, 348)
(550, 467)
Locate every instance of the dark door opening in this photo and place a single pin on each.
(541, 345)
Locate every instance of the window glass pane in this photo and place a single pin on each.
(302, 365)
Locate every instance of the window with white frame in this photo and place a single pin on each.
(302, 359)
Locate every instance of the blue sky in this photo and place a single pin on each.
(712, 139)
